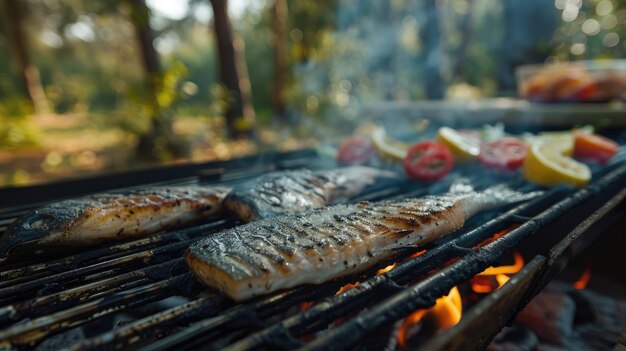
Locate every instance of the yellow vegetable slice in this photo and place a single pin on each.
(388, 147)
(463, 148)
(548, 164)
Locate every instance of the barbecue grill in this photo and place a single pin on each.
(50, 300)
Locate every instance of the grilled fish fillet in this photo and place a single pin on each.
(319, 245)
(93, 219)
(293, 191)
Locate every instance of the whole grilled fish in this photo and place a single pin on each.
(102, 217)
(319, 245)
(293, 191)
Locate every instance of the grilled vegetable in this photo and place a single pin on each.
(292, 191)
(355, 151)
(105, 217)
(594, 147)
(505, 154)
(428, 161)
(319, 245)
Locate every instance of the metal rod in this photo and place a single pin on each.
(51, 303)
(424, 293)
(32, 331)
(101, 269)
(110, 252)
(474, 330)
(242, 315)
(214, 324)
(137, 331)
(378, 286)
(505, 302)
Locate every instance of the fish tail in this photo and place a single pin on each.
(461, 186)
(503, 195)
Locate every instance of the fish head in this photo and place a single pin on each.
(29, 233)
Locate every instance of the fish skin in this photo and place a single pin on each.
(298, 190)
(325, 243)
(107, 217)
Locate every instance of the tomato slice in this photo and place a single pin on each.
(428, 161)
(594, 147)
(506, 154)
(355, 151)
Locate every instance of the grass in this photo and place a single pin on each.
(78, 145)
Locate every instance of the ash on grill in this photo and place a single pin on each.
(139, 295)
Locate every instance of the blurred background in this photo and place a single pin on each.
(93, 86)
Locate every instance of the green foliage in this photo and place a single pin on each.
(139, 109)
(16, 128)
(597, 32)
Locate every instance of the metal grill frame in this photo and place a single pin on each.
(110, 279)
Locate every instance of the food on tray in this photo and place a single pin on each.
(102, 217)
(594, 147)
(292, 191)
(582, 81)
(464, 144)
(318, 245)
(506, 154)
(428, 161)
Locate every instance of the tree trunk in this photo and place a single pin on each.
(279, 27)
(433, 57)
(160, 123)
(29, 73)
(233, 72)
(466, 37)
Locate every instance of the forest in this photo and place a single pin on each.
(91, 86)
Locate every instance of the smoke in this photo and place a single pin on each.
(393, 53)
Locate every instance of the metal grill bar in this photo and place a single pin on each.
(504, 303)
(33, 331)
(109, 252)
(211, 326)
(110, 280)
(424, 294)
(378, 286)
(51, 303)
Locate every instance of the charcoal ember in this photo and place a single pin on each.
(596, 337)
(515, 338)
(606, 312)
(61, 341)
(385, 338)
(550, 347)
(550, 315)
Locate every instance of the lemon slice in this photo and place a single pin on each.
(547, 164)
(388, 147)
(464, 148)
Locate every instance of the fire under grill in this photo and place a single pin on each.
(140, 295)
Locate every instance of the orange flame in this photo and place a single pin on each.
(347, 287)
(444, 314)
(306, 305)
(417, 254)
(482, 286)
(502, 279)
(497, 235)
(582, 282)
(386, 269)
(392, 266)
(516, 267)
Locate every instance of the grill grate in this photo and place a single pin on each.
(44, 298)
